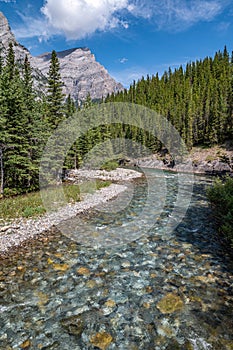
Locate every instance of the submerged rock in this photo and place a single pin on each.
(74, 325)
(25, 345)
(170, 303)
(101, 340)
(83, 271)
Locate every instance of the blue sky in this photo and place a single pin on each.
(130, 38)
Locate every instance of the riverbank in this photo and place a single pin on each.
(217, 160)
(21, 230)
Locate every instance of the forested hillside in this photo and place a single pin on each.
(198, 100)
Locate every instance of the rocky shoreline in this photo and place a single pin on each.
(214, 167)
(217, 160)
(119, 174)
(22, 230)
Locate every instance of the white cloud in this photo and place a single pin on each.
(35, 28)
(123, 60)
(178, 14)
(79, 18)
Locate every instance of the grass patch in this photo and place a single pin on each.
(30, 205)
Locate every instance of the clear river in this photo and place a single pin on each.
(162, 289)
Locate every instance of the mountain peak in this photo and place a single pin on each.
(80, 73)
(4, 25)
(6, 36)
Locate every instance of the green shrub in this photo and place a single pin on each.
(110, 165)
(221, 198)
(10, 192)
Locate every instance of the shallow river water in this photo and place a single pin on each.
(120, 279)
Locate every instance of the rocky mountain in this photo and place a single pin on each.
(80, 72)
(6, 36)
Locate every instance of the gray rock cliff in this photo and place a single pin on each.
(81, 74)
(6, 36)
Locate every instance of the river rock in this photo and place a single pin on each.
(170, 303)
(101, 340)
(73, 325)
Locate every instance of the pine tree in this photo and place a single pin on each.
(15, 157)
(3, 136)
(55, 96)
(1, 62)
(29, 93)
(230, 100)
(69, 107)
(36, 127)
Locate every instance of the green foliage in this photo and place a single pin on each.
(198, 100)
(21, 205)
(110, 165)
(55, 96)
(21, 128)
(15, 145)
(210, 158)
(72, 193)
(221, 199)
(69, 106)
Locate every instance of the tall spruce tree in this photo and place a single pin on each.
(16, 146)
(1, 62)
(3, 133)
(55, 96)
(70, 106)
(36, 135)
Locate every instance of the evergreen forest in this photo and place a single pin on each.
(196, 99)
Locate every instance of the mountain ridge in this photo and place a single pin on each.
(60, 54)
